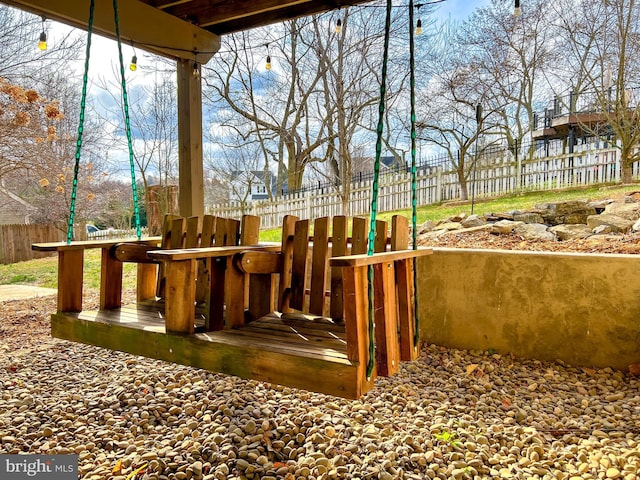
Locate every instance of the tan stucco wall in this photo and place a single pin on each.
(580, 308)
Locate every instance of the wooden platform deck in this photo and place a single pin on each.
(290, 351)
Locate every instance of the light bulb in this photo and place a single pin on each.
(42, 43)
(517, 11)
(267, 65)
(339, 26)
(419, 27)
(134, 63)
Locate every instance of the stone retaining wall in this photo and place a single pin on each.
(583, 309)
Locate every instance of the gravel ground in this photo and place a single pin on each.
(450, 414)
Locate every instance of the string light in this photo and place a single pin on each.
(42, 43)
(517, 11)
(419, 23)
(133, 66)
(267, 65)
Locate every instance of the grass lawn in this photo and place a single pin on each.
(43, 272)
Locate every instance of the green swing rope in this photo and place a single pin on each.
(414, 170)
(125, 102)
(374, 193)
(83, 101)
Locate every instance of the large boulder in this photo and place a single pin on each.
(616, 223)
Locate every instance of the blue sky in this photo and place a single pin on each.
(459, 9)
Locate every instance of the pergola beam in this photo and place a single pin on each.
(147, 27)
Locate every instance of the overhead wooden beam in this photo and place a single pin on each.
(224, 16)
(147, 27)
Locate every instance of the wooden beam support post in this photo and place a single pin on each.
(191, 171)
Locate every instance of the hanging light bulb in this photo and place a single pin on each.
(339, 25)
(267, 65)
(419, 27)
(133, 66)
(517, 11)
(42, 43)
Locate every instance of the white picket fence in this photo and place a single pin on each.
(503, 176)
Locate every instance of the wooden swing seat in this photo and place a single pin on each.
(268, 325)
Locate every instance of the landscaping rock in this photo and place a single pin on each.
(630, 211)
(571, 232)
(528, 217)
(472, 221)
(448, 226)
(536, 232)
(504, 226)
(616, 223)
(571, 212)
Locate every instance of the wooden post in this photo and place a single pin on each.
(180, 307)
(110, 281)
(191, 172)
(70, 277)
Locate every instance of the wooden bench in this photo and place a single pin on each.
(178, 232)
(313, 297)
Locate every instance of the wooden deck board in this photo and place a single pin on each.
(257, 352)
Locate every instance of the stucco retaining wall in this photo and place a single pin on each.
(583, 309)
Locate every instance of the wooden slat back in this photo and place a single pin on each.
(177, 233)
(320, 255)
(299, 264)
(250, 230)
(167, 241)
(208, 231)
(192, 235)
(399, 233)
(380, 241)
(359, 236)
(284, 290)
(339, 239)
(227, 232)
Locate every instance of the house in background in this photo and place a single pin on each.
(250, 185)
(14, 210)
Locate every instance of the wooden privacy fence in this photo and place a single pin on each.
(504, 175)
(16, 241)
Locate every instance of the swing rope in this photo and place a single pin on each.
(83, 102)
(125, 102)
(414, 170)
(374, 193)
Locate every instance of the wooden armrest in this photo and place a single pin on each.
(208, 252)
(133, 252)
(87, 244)
(363, 260)
(258, 262)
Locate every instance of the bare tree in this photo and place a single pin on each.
(603, 39)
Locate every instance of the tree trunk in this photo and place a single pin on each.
(160, 201)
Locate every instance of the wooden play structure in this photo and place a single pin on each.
(295, 314)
